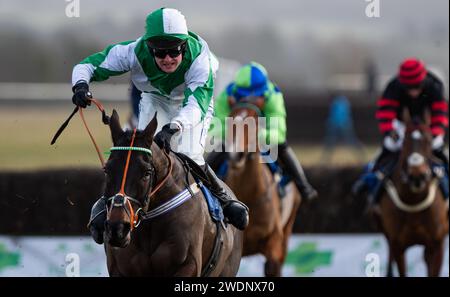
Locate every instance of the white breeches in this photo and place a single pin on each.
(191, 141)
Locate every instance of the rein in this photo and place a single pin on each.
(105, 120)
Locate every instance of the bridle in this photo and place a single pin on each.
(121, 199)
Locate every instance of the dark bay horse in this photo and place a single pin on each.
(158, 223)
(270, 223)
(412, 210)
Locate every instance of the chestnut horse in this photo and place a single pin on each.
(412, 210)
(158, 222)
(270, 223)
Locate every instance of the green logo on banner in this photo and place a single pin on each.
(8, 258)
(306, 258)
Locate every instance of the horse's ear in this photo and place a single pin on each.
(149, 131)
(427, 117)
(114, 126)
(406, 116)
(231, 100)
(259, 102)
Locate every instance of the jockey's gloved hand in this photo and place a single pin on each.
(81, 94)
(437, 143)
(162, 139)
(392, 141)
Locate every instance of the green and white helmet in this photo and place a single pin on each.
(165, 28)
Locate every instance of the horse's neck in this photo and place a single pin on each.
(173, 184)
(252, 176)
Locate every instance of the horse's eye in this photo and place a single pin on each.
(147, 174)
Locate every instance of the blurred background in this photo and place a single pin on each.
(315, 51)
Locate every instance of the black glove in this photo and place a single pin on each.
(162, 139)
(81, 94)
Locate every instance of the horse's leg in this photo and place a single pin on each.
(274, 254)
(188, 268)
(287, 229)
(399, 256)
(389, 264)
(433, 257)
(172, 257)
(111, 263)
(231, 265)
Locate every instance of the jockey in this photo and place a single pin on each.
(174, 69)
(252, 80)
(417, 89)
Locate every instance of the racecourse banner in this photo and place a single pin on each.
(308, 256)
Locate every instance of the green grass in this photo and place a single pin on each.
(26, 133)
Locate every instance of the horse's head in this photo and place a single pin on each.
(416, 154)
(242, 131)
(130, 175)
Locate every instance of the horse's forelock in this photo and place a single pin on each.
(125, 139)
(417, 125)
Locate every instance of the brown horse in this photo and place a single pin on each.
(412, 209)
(158, 223)
(270, 223)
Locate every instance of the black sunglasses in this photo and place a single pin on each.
(172, 52)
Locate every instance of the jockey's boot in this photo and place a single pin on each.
(372, 179)
(292, 167)
(443, 176)
(216, 159)
(372, 174)
(235, 211)
(440, 154)
(97, 220)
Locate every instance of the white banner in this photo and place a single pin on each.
(341, 255)
(309, 255)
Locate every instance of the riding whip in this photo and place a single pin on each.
(64, 125)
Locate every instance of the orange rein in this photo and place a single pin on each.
(100, 107)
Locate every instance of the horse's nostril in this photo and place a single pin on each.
(126, 227)
(118, 229)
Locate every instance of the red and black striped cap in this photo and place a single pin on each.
(412, 72)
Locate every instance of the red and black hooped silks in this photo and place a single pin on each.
(439, 117)
(386, 112)
(395, 98)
